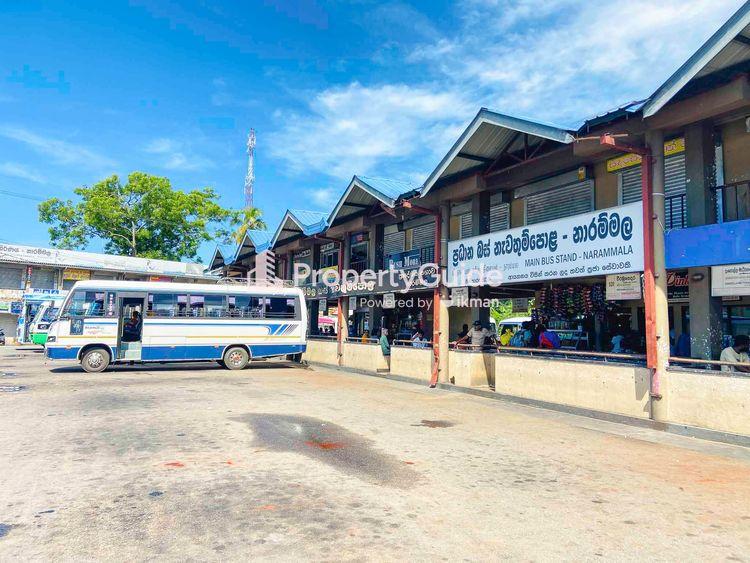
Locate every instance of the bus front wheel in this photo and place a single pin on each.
(236, 358)
(95, 360)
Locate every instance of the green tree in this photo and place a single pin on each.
(503, 309)
(143, 217)
(249, 219)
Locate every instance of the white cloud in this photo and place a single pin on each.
(353, 129)
(561, 60)
(16, 170)
(176, 155)
(324, 198)
(552, 60)
(62, 152)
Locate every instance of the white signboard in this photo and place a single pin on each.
(459, 297)
(389, 301)
(621, 287)
(608, 241)
(89, 260)
(730, 280)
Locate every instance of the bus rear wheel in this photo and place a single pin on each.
(95, 360)
(236, 357)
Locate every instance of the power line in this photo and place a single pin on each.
(22, 196)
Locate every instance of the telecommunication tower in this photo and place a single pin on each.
(250, 177)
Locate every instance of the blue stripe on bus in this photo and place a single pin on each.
(185, 353)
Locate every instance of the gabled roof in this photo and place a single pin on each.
(489, 136)
(255, 241)
(729, 46)
(299, 222)
(218, 259)
(363, 192)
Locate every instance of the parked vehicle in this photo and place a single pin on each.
(44, 317)
(105, 322)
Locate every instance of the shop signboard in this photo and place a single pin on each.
(519, 305)
(159, 279)
(405, 260)
(389, 301)
(678, 286)
(459, 296)
(301, 254)
(16, 307)
(76, 274)
(608, 241)
(376, 283)
(673, 146)
(36, 294)
(621, 287)
(731, 280)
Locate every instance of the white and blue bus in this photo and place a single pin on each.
(105, 322)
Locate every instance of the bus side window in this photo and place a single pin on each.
(166, 305)
(214, 305)
(85, 304)
(197, 305)
(245, 306)
(280, 307)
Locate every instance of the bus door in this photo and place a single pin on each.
(130, 309)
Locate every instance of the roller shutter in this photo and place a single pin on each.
(499, 217)
(630, 185)
(675, 184)
(465, 225)
(423, 236)
(675, 211)
(11, 277)
(561, 202)
(393, 243)
(42, 278)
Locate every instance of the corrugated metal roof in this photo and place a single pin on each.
(489, 135)
(720, 51)
(254, 239)
(365, 191)
(299, 222)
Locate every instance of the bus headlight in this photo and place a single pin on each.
(51, 338)
(43, 326)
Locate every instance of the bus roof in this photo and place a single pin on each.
(186, 287)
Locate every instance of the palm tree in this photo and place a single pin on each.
(250, 219)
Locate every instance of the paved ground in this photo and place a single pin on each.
(282, 463)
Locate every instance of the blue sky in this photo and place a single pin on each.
(334, 88)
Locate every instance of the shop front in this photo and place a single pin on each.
(583, 272)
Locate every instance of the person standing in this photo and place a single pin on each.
(385, 346)
(737, 354)
(475, 336)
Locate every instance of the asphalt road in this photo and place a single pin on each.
(284, 463)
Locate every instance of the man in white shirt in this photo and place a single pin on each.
(737, 354)
(475, 336)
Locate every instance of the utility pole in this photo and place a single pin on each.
(250, 176)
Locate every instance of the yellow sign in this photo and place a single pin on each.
(675, 146)
(76, 274)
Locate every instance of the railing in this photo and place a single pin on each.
(268, 282)
(732, 201)
(321, 337)
(553, 354)
(675, 212)
(694, 364)
(360, 340)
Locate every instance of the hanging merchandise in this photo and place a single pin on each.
(566, 302)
